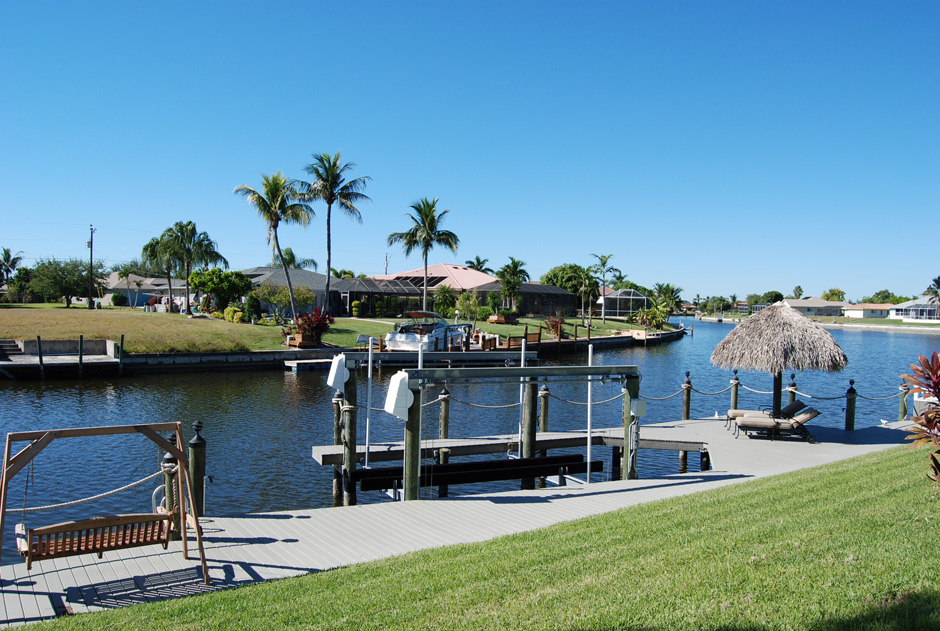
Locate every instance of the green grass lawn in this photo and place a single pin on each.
(846, 546)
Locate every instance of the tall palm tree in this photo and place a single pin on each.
(291, 260)
(424, 234)
(511, 276)
(8, 264)
(193, 247)
(160, 252)
(330, 186)
(583, 278)
(668, 295)
(479, 265)
(933, 290)
(278, 202)
(602, 269)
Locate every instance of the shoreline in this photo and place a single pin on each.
(900, 328)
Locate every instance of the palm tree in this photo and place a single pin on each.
(583, 278)
(193, 247)
(8, 264)
(291, 260)
(479, 265)
(124, 273)
(342, 273)
(278, 202)
(160, 252)
(511, 276)
(330, 185)
(616, 278)
(933, 290)
(425, 233)
(668, 295)
(602, 269)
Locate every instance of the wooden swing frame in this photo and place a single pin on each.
(102, 534)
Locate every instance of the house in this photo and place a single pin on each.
(868, 310)
(622, 302)
(817, 306)
(460, 278)
(536, 299)
(916, 310)
(140, 290)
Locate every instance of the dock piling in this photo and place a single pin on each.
(735, 383)
(349, 440)
(337, 440)
(791, 389)
(529, 398)
(686, 397)
(902, 405)
(197, 469)
(412, 470)
(81, 348)
(443, 454)
(850, 396)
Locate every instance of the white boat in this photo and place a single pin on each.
(426, 331)
(922, 403)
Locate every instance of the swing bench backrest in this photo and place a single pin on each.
(96, 535)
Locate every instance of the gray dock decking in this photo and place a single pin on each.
(258, 547)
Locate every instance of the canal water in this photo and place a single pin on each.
(260, 426)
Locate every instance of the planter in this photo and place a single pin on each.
(498, 319)
(305, 341)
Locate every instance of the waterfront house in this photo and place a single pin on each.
(916, 310)
(817, 306)
(460, 278)
(536, 299)
(868, 310)
(138, 296)
(623, 303)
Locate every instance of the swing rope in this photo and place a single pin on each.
(36, 509)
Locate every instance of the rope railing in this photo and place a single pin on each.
(36, 509)
(894, 396)
(614, 398)
(648, 398)
(486, 407)
(755, 391)
(711, 394)
(819, 398)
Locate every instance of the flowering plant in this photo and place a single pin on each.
(926, 379)
(312, 325)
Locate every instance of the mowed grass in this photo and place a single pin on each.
(852, 545)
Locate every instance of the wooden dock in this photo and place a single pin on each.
(254, 548)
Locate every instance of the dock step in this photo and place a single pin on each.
(9, 347)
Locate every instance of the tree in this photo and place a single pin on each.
(468, 303)
(159, 251)
(124, 274)
(587, 288)
(797, 292)
(884, 296)
(424, 234)
(279, 299)
(479, 265)
(933, 290)
(54, 279)
(602, 269)
(225, 287)
(279, 202)
(330, 186)
(511, 276)
(193, 247)
(444, 298)
(342, 273)
(669, 296)
(8, 264)
(771, 297)
(20, 285)
(291, 260)
(566, 276)
(734, 301)
(834, 295)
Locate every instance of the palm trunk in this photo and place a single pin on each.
(329, 260)
(186, 298)
(424, 301)
(169, 291)
(290, 288)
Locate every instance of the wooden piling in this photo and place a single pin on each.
(791, 389)
(121, 357)
(683, 462)
(81, 352)
(529, 397)
(338, 440)
(349, 440)
(686, 397)
(42, 367)
(543, 423)
(631, 431)
(902, 404)
(705, 460)
(197, 469)
(443, 454)
(170, 471)
(413, 448)
(850, 396)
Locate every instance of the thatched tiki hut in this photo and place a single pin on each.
(776, 339)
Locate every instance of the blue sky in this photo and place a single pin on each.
(725, 147)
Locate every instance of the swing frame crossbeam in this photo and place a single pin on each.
(40, 439)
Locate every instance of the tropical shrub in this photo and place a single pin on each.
(506, 313)
(224, 286)
(238, 317)
(154, 301)
(218, 315)
(555, 324)
(483, 313)
(230, 312)
(118, 300)
(926, 380)
(356, 307)
(492, 301)
(469, 306)
(444, 299)
(312, 325)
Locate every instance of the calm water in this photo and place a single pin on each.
(260, 425)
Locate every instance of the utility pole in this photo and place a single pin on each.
(386, 263)
(91, 267)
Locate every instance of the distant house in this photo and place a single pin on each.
(868, 310)
(138, 296)
(817, 306)
(622, 302)
(457, 277)
(537, 299)
(916, 310)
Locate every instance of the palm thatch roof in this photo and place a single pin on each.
(779, 338)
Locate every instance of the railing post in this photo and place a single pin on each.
(528, 427)
(121, 357)
(791, 389)
(42, 367)
(412, 472)
(543, 422)
(686, 397)
(902, 405)
(443, 454)
(197, 469)
(81, 352)
(850, 396)
(735, 383)
(168, 464)
(349, 440)
(338, 440)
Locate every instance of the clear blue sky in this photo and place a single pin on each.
(725, 147)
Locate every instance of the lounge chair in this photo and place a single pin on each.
(786, 412)
(776, 427)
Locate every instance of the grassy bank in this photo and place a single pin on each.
(846, 546)
(165, 333)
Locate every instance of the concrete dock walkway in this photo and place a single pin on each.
(253, 548)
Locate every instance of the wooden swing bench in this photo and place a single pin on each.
(102, 534)
(93, 536)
